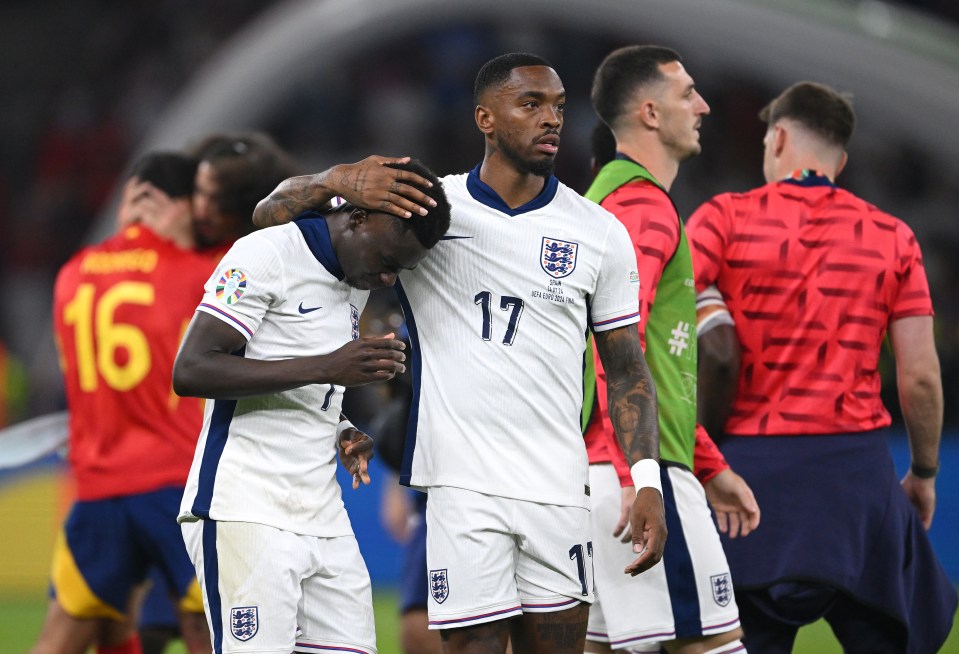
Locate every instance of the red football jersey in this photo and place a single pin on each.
(653, 225)
(651, 220)
(119, 311)
(813, 276)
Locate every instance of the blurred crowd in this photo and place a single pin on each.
(90, 77)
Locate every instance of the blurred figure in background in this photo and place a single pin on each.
(404, 515)
(815, 278)
(235, 172)
(119, 310)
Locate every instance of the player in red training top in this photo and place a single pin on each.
(815, 278)
(119, 312)
(649, 100)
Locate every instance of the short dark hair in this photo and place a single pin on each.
(429, 229)
(817, 107)
(248, 167)
(621, 73)
(171, 172)
(497, 70)
(602, 145)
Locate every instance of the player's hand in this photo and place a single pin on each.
(364, 360)
(156, 209)
(922, 494)
(737, 512)
(625, 506)
(356, 450)
(374, 185)
(649, 530)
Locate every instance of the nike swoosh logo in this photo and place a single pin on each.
(453, 238)
(305, 310)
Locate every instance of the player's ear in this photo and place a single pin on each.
(648, 113)
(842, 162)
(780, 135)
(358, 217)
(484, 119)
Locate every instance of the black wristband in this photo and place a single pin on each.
(923, 472)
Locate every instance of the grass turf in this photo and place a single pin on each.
(21, 619)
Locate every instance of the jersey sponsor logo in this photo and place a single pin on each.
(633, 277)
(439, 585)
(243, 622)
(558, 258)
(305, 310)
(232, 286)
(722, 588)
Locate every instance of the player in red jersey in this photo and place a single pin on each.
(815, 278)
(119, 311)
(649, 100)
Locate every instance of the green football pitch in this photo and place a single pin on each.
(20, 620)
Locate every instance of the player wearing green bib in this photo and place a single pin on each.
(647, 98)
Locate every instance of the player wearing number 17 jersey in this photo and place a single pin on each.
(498, 321)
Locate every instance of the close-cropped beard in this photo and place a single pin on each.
(542, 168)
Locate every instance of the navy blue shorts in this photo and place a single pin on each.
(414, 585)
(159, 609)
(108, 546)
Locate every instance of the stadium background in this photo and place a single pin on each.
(88, 84)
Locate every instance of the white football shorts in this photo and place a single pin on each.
(491, 558)
(269, 591)
(687, 594)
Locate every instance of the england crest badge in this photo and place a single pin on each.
(722, 588)
(558, 258)
(243, 622)
(439, 585)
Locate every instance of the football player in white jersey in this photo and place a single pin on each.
(498, 317)
(273, 344)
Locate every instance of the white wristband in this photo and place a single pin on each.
(342, 427)
(645, 474)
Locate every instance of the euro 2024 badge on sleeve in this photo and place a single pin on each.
(231, 286)
(558, 258)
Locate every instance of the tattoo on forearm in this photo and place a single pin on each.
(632, 394)
(290, 200)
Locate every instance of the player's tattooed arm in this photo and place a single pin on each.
(291, 198)
(369, 183)
(631, 392)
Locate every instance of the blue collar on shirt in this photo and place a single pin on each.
(808, 177)
(484, 194)
(312, 225)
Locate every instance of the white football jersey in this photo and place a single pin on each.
(498, 316)
(272, 459)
